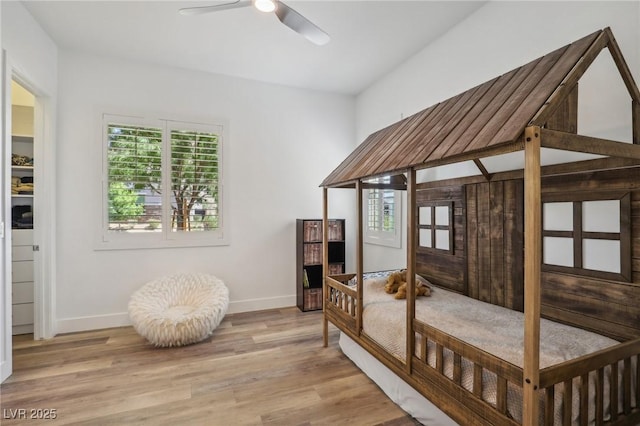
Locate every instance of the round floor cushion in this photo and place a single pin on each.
(180, 309)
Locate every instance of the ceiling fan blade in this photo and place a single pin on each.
(199, 10)
(301, 25)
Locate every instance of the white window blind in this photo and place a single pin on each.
(194, 181)
(163, 183)
(382, 215)
(135, 184)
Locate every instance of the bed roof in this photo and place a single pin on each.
(486, 120)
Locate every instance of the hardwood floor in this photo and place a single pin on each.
(259, 368)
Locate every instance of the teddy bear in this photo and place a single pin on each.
(397, 283)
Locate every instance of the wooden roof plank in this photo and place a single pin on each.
(353, 170)
(543, 91)
(500, 119)
(469, 134)
(442, 129)
(383, 151)
(571, 79)
(486, 120)
(422, 139)
(453, 138)
(406, 146)
(346, 166)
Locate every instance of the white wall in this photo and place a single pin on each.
(497, 38)
(282, 142)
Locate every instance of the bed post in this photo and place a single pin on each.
(532, 263)
(325, 264)
(411, 264)
(359, 256)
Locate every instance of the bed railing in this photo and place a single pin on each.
(341, 303)
(603, 369)
(446, 346)
(433, 347)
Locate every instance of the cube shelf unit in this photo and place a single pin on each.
(309, 259)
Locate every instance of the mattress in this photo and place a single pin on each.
(494, 329)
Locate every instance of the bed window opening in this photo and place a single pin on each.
(588, 235)
(435, 227)
(382, 214)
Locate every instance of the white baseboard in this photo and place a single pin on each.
(71, 325)
(250, 305)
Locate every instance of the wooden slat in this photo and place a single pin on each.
(457, 368)
(587, 144)
(472, 242)
(565, 117)
(359, 255)
(501, 395)
(613, 391)
(325, 264)
(599, 396)
(626, 386)
(484, 242)
(635, 120)
(477, 380)
(567, 402)
(496, 236)
(513, 243)
(532, 261)
(584, 399)
(549, 406)
(412, 226)
(637, 357)
(439, 358)
(637, 381)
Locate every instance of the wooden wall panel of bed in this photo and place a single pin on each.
(483, 241)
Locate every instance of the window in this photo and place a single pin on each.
(382, 214)
(587, 235)
(435, 227)
(163, 183)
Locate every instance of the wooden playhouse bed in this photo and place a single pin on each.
(500, 261)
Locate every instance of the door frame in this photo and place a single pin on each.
(44, 212)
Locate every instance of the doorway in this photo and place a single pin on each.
(23, 195)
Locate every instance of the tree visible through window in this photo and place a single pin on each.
(163, 178)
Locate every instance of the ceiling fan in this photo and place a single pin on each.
(285, 14)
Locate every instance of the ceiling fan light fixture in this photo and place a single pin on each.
(265, 5)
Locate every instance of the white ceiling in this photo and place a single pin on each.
(368, 38)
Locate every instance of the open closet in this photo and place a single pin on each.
(22, 209)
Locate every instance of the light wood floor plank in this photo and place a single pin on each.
(258, 368)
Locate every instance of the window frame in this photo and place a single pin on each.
(380, 236)
(433, 227)
(166, 238)
(579, 235)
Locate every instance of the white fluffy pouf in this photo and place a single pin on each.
(180, 309)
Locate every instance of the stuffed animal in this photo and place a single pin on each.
(397, 283)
